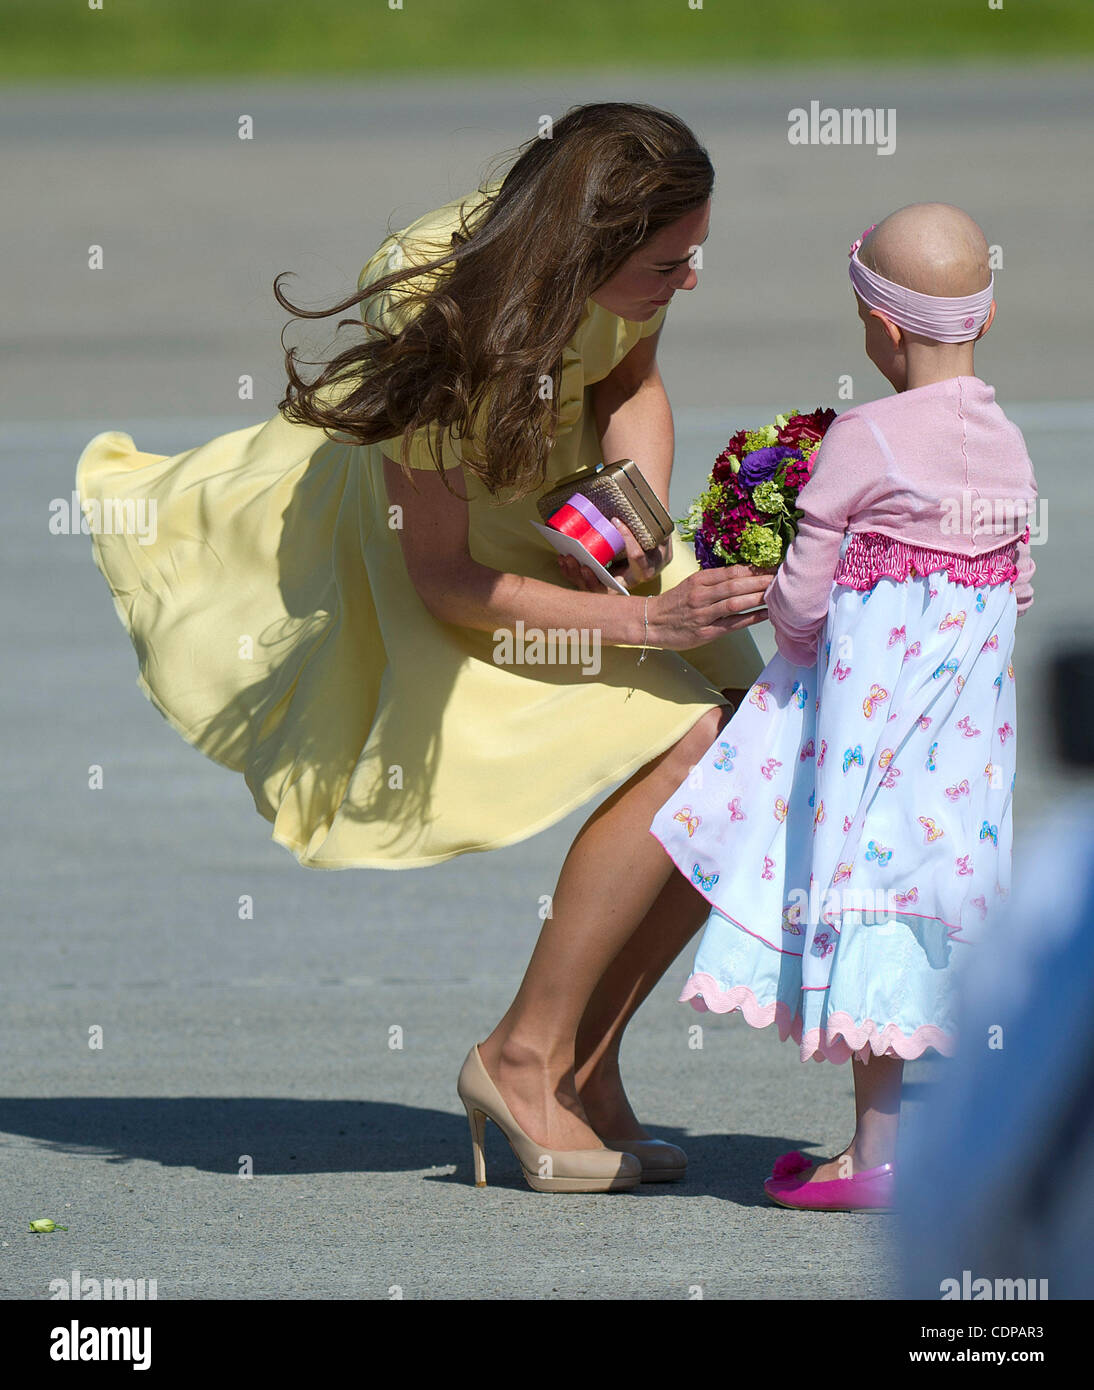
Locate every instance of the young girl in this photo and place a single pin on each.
(851, 827)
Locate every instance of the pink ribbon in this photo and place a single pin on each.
(589, 527)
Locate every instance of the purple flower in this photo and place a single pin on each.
(760, 465)
(704, 554)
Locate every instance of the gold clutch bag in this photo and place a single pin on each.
(616, 489)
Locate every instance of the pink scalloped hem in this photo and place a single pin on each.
(839, 1041)
(871, 556)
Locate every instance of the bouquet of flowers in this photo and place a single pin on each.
(748, 514)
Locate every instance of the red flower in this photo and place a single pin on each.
(794, 431)
(736, 444)
(800, 427)
(735, 489)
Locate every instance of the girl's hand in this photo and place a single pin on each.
(635, 567)
(707, 604)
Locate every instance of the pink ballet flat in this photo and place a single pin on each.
(871, 1190)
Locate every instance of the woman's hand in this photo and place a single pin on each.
(707, 604)
(640, 564)
(637, 566)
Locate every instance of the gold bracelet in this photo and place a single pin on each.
(645, 628)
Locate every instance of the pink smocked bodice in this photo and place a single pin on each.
(871, 556)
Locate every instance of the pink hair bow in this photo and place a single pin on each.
(856, 244)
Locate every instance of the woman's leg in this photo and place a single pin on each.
(676, 915)
(613, 875)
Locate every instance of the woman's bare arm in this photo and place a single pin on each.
(457, 589)
(633, 415)
(634, 420)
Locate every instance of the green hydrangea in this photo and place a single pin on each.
(711, 500)
(714, 497)
(759, 546)
(690, 524)
(762, 438)
(768, 498)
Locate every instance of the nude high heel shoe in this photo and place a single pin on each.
(660, 1160)
(545, 1170)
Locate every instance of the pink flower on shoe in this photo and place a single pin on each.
(786, 1165)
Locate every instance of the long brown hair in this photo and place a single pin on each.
(490, 331)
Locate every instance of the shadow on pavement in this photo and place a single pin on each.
(285, 1136)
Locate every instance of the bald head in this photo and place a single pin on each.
(932, 248)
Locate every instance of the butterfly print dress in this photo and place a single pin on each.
(851, 826)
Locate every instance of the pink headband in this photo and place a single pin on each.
(931, 315)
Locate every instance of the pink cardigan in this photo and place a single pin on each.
(920, 468)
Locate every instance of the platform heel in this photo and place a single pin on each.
(545, 1170)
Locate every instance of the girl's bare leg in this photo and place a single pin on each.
(877, 1120)
(613, 877)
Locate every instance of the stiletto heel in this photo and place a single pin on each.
(477, 1121)
(545, 1170)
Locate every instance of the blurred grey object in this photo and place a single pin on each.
(998, 1171)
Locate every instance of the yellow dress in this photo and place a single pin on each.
(276, 628)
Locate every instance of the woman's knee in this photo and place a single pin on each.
(708, 726)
